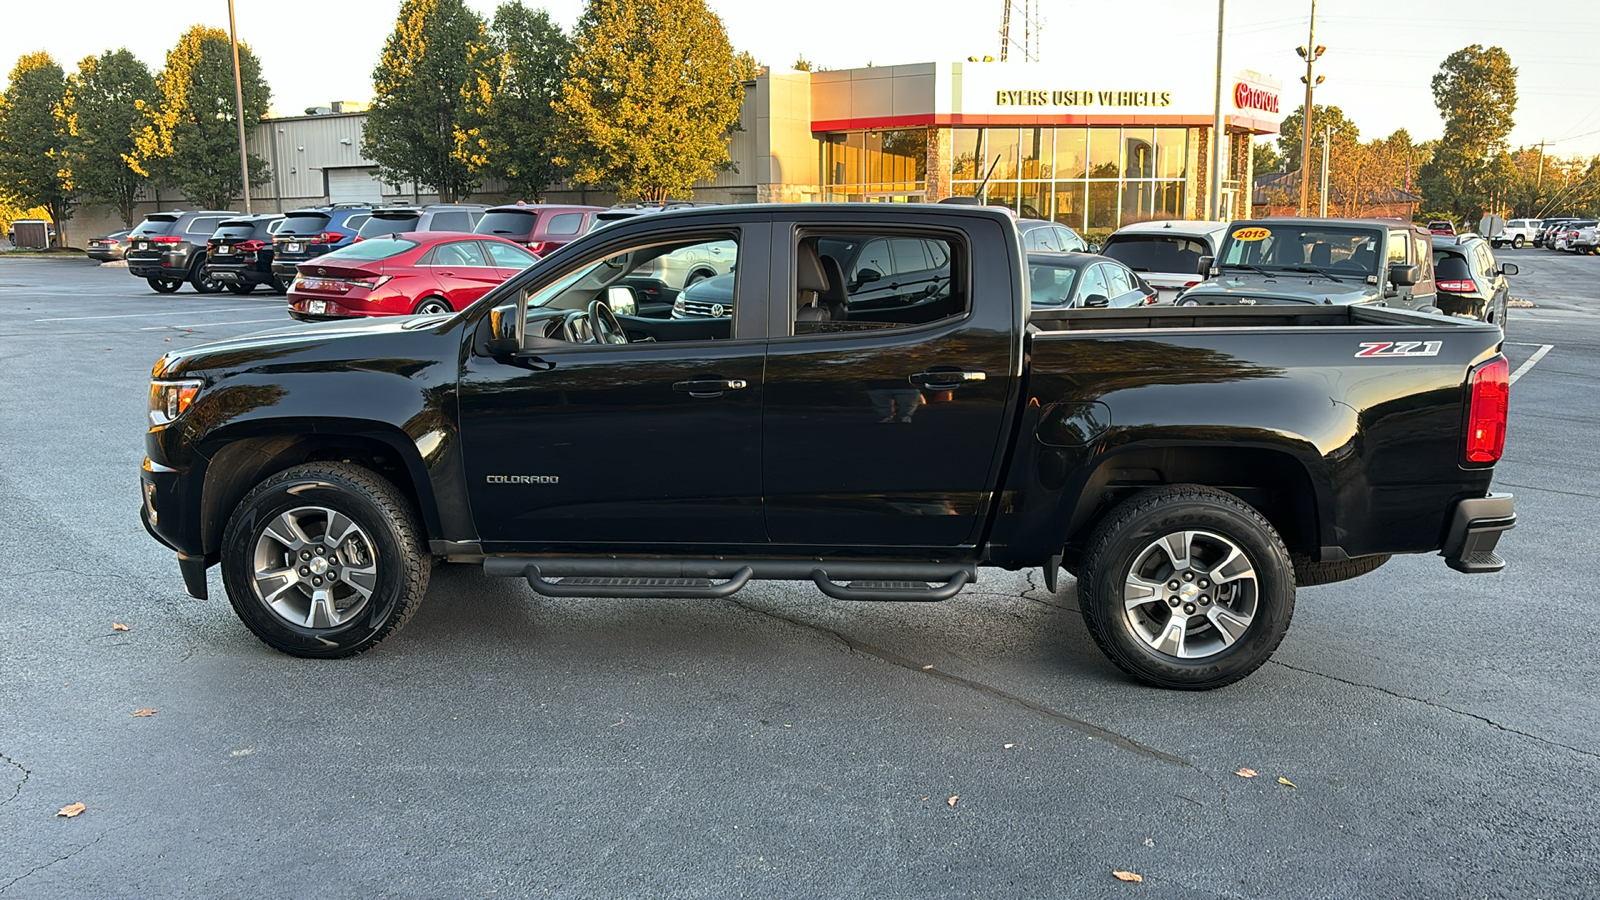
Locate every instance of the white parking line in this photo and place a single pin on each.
(1537, 355)
(148, 315)
(284, 319)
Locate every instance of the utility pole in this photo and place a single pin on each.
(1327, 138)
(238, 109)
(1538, 180)
(1216, 131)
(1309, 53)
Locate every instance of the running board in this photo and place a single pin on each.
(669, 578)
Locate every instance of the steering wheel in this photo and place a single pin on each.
(603, 322)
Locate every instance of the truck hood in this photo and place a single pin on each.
(355, 339)
(1288, 287)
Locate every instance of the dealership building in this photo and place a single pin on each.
(1089, 149)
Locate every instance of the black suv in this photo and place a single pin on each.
(169, 248)
(1471, 283)
(309, 233)
(462, 217)
(239, 254)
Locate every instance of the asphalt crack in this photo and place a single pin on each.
(889, 656)
(25, 775)
(37, 869)
(1445, 707)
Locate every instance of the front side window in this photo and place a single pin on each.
(1397, 248)
(849, 281)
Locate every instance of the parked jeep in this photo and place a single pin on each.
(1385, 262)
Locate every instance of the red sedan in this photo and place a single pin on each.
(404, 274)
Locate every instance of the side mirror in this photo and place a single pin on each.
(867, 276)
(502, 330)
(1405, 275)
(1205, 265)
(1094, 301)
(621, 299)
(1094, 248)
(1509, 269)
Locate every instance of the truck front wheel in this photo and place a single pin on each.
(1186, 587)
(324, 560)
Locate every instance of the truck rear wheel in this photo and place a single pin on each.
(1186, 587)
(324, 560)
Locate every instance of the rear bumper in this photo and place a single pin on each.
(173, 266)
(239, 273)
(1475, 528)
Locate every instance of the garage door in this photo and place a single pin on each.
(354, 186)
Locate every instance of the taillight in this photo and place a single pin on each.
(165, 239)
(329, 237)
(251, 244)
(358, 239)
(1458, 287)
(1486, 417)
(536, 247)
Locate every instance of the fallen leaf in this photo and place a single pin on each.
(926, 668)
(1286, 782)
(1128, 876)
(1246, 773)
(118, 626)
(68, 812)
(145, 713)
(953, 799)
(1009, 746)
(1149, 842)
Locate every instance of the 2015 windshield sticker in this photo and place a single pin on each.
(1251, 234)
(1400, 348)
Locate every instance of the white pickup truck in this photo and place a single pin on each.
(1517, 233)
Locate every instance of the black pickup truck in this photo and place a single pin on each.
(1189, 466)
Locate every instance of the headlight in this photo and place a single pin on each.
(169, 400)
(678, 305)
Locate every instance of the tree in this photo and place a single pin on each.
(521, 127)
(801, 64)
(33, 139)
(652, 93)
(432, 92)
(1476, 93)
(190, 138)
(1266, 159)
(104, 109)
(1289, 133)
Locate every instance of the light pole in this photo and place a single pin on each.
(1216, 130)
(238, 109)
(1309, 53)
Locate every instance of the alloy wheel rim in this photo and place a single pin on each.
(314, 568)
(1190, 594)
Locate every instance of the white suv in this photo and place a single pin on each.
(1587, 238)
(1516, 233)
(1166, 253)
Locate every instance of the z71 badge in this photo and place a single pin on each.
(1400, 348)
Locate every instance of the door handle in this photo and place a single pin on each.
(946, 381)
(710, 387)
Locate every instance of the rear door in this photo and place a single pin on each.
(884, 433)
(462, 271)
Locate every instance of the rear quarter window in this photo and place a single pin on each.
(566, 223)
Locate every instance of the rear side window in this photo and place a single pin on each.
(457, 254)
(566, 223)
(388, 225)
(304, 223)
(152, 226)
(378, 248)
(1155, 253)
(1041, 239)
(507, 223)
(929, 285)
(451, 221)
(508, 257)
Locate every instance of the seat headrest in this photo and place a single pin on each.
(811, 276)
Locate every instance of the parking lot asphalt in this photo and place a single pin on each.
(1419, 734)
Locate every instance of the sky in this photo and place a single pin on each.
(1381, 53)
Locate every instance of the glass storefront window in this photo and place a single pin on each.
(1105, 152)
(1002, 193)
(1136, 199)
(1069, 204)
(1002, 144)
(1035, 200)
(1038, 152)
(1139, 152)
(966, 149)
(1072, 153)
(1102, 209)
(1171, 152)
(1169, 199)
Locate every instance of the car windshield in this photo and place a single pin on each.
(152, 226)
(1296, 246)
(379, 248)
(1156, 252)
(1050, 285)
(389, 224)
(507, 222)
(235, 231)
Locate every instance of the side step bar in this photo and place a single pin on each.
(668, 578)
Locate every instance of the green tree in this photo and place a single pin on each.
(521, 127)
(1476, 92)
(652, 93)
(104, 109)
(1289, 133)
(34, 167)
(432, 93)
(190, 138)
(1266, 159)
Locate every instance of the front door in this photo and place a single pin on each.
(881, 429)
(598, 445)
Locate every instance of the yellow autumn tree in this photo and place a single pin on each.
(652, 92)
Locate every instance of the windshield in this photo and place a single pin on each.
(380, 248)
(1050, 285)
(389, 224)
(1311, 246)
(512, 223)
(1156, 252)
(153, 226)
(304, 223)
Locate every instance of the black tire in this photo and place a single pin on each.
(1125, 551)
(241, 288)
(695, 277)
(384, 536)
(163, 286)
(1310, 574)
(1517, 242)
(431, 305)
(203, 283)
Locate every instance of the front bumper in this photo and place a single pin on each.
(1475, 529)
(162, 489)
